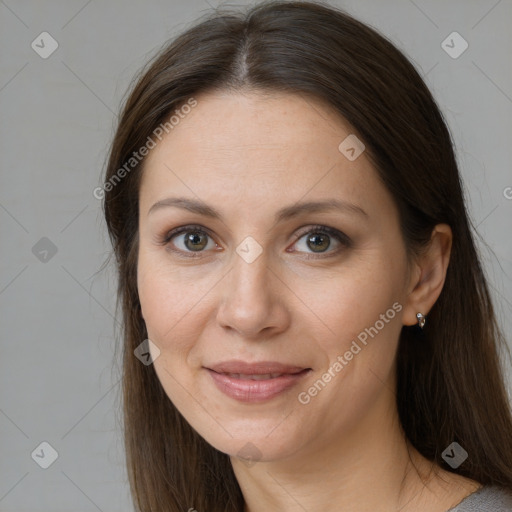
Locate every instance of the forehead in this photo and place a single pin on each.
(257, 148)
(256, 122)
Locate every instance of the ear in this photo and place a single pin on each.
(428, 274)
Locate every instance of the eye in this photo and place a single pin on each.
(318, 239)
(189, 239)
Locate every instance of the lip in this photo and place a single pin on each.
(233, 378)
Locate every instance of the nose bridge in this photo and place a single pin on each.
(250, 274)
(249, 303)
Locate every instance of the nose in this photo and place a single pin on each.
(253, 300)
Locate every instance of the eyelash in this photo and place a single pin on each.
(343, 239)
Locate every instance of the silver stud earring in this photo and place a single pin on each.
(421, 320)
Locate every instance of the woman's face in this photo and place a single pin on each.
(255, 277)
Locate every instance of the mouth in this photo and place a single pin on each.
(255, 382)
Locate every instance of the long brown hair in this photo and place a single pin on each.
(451, 386)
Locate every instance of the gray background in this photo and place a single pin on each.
(59, 375)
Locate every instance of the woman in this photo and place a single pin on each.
(307, 323)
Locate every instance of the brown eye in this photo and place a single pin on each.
(318, 242)
(189, 239)
(319, 239)
(195, 241)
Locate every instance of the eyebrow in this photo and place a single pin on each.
(288, 212)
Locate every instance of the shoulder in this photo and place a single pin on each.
(488, 498)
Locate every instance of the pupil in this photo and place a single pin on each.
(319, 241)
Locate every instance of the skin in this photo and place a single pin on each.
(248, 155)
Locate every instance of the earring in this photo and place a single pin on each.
(421, 320)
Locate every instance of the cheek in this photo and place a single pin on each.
(164, 305)
(362, 311)
(173, 300)
(162, 297)
(345, 302)
(362, 308)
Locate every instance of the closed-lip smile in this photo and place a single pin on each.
(255, 382)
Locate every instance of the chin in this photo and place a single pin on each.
(263, 440)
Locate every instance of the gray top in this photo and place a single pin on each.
(486, 499)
